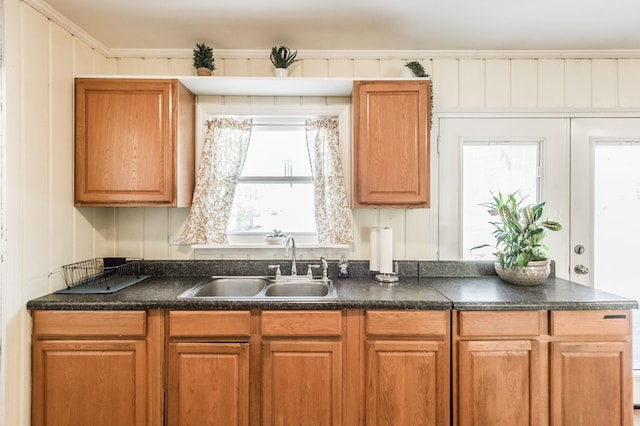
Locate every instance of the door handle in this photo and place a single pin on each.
(581, 269)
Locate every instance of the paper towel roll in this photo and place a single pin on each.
(374, 249)
(386, 251)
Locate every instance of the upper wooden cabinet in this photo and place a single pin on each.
(134, 142)
(391, 143)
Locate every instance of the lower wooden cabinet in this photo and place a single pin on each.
(589, 384)
(499, 383)
(209, 384)
(302, 367)
(590, 368)
(407, 368)
(302, 382)
(96, 368)
(208, 368)
(331, 367)
(539, 368)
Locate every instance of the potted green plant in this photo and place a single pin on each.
(521, 256)
(282, 58)
(416, 68)
(203, 59)
(276, 237)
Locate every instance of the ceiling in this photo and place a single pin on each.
(359, 24)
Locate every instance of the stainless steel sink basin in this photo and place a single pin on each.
(240, 287)
(227, 287)
(289, 289)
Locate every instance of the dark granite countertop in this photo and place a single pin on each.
(491, 293)
(476, 289)
(160, 292)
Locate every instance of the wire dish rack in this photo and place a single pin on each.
(102, 275)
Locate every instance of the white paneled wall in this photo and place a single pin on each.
(43, 230)
(460, 85)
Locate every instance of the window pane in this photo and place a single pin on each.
(261, 208)
(277, 153)
(493, 167)
(616, 225)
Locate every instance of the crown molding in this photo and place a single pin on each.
(68, 25)
(388, 54)
(78, 32)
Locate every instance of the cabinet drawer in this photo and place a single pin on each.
(302, 323)
(590, 323)
(209, 323)
(500, 323)
(407, 323)
(65, 324)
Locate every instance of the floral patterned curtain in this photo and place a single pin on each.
(333, 216)
(223, 154)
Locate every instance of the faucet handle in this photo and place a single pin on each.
(277, 268)
(325, 267)
(310, 272)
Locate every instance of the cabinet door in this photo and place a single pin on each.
(407, 383)
(126, 147)
(89, 383)
(591, 384)
(302, 382)
(391, 143)
(208, 384)
(499, 382)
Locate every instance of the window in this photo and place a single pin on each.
(271, 164)
(492, 167)
(275, 189)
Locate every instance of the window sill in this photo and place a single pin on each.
(269, 246)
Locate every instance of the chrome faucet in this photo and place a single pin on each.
(325, 266)
(294, 269)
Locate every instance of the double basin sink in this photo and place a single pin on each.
(240, 287)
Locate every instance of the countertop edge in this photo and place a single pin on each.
(444, 293)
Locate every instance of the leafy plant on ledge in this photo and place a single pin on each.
(203, 57)
(520, 232)
(283, 57)
(417, 69)
(276, 233)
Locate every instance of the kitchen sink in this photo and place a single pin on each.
(241, 287)
(299, 289)
(227, 287)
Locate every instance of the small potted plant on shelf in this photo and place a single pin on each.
(415, 69)
(521, 256)
(276, 237)
(282, 58)
(203, 59)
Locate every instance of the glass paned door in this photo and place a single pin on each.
(481, 155)
(605, 177)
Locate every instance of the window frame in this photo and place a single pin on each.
(208, 108)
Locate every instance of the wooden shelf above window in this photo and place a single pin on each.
(268, 86)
